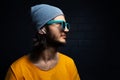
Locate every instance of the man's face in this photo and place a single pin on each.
(56, 33)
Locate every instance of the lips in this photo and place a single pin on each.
(63, 35)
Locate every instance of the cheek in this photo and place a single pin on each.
(54, 33)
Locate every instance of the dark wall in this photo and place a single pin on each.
(90, 40)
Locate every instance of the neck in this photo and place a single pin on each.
(49, 53)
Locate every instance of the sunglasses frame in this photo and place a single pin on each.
(63, 23)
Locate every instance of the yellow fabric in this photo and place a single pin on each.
(23, 69)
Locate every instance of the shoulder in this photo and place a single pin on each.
(19, 62)
(18, 66)
(69, 63)
(66, 58)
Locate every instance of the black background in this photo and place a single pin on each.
(93, 41)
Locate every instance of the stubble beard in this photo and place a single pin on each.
(54, 42)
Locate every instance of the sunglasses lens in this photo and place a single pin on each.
(68, 26)
(65, 25)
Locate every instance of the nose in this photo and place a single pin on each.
(66, 29)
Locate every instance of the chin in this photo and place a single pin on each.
(64, 42)
(60, 42)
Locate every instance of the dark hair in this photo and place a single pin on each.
(39, 44)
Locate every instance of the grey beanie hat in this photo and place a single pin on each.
(42, 13)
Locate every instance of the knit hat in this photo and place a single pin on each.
(42, 13)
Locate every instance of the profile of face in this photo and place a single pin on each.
(56, 32)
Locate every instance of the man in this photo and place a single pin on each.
(44, 62)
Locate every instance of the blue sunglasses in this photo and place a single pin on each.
(63, 23)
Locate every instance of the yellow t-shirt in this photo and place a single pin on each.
(23, 69)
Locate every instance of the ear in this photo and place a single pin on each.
(42, 31)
